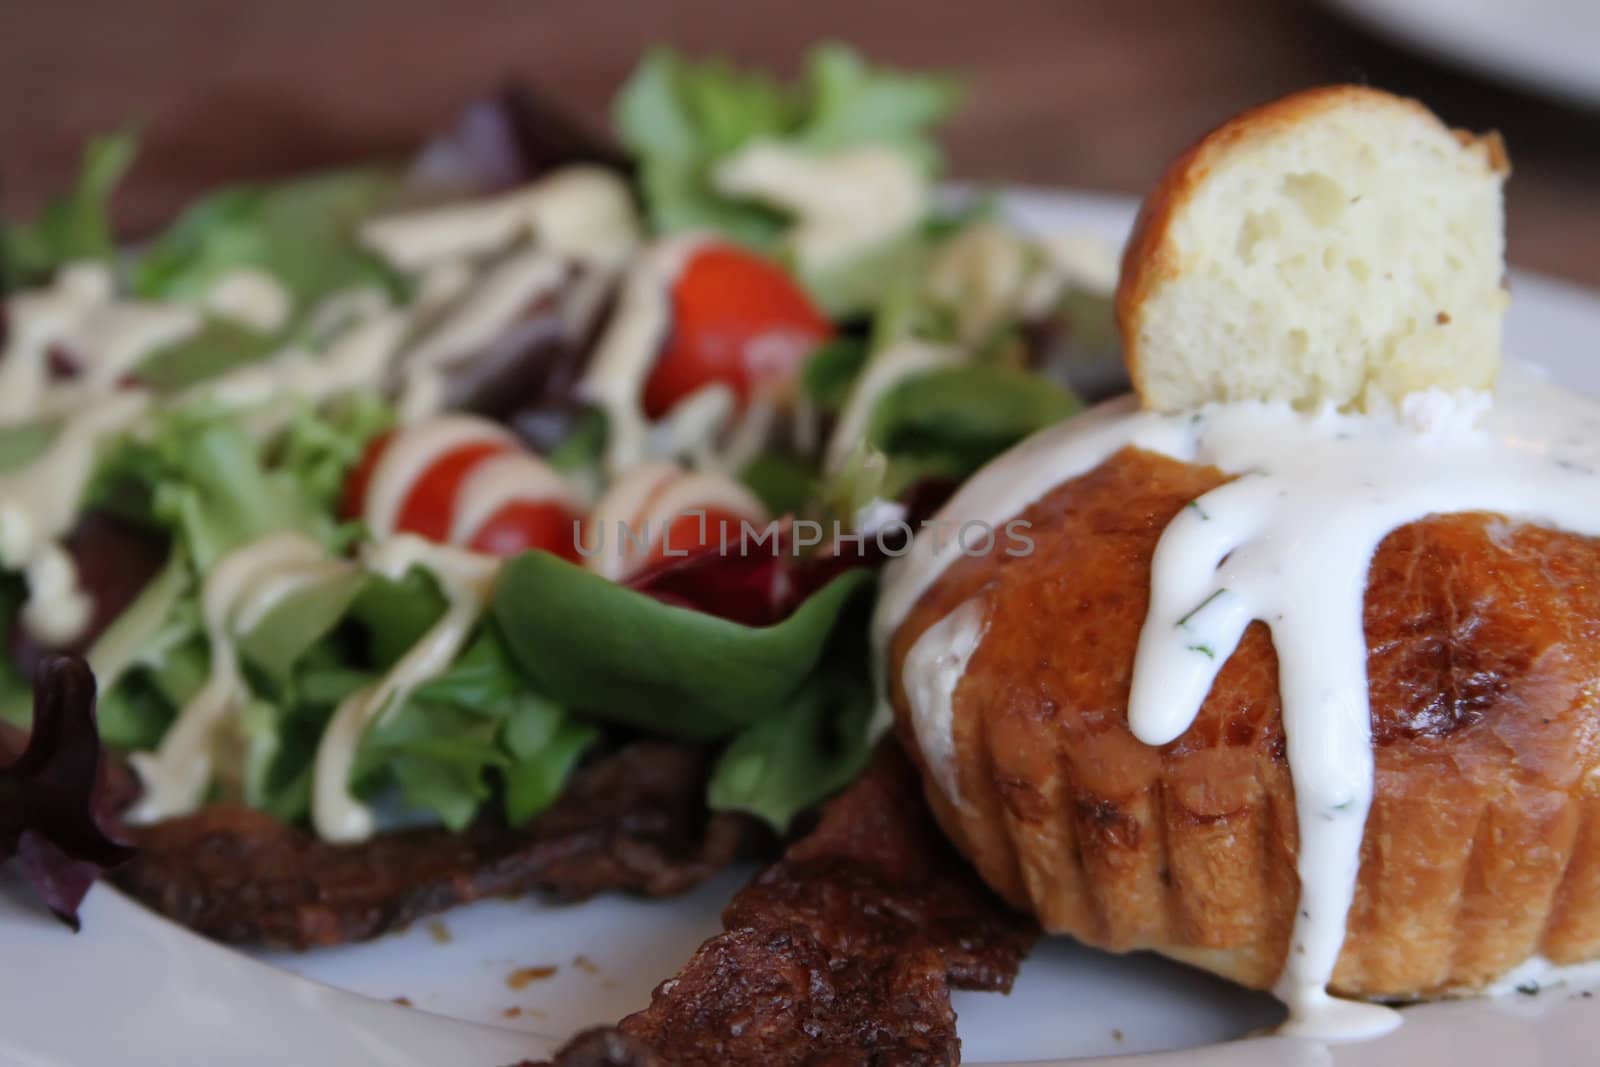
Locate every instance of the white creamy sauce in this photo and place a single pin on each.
(933, 668)
(498, 299)
(467, 580)
(625, 353)
(583, 212)
(252, 298)
(357, 359)
(39, 320)
(1538, 973)
(628, 522)
(1289, 543)
(844, 203)
(38, 504)
(176, 775)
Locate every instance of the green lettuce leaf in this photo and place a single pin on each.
(75, 225)
(680, 117)
(477, 725)
(611, 652)
(956, 419)
(199, 473)
(275, 645)
(202, 476)
(832, 369)
(545, 745)
(302, 231)
(852, 103)
(23, 442)
(219, 346)
(811, 747)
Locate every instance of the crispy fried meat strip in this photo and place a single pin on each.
(634, 820)
(842, 953)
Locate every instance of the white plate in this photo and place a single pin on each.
(1549, 45)
(137, 991)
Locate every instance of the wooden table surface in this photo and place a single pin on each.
(1093, 94)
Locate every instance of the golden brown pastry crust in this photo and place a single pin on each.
(1149, 258)
(1483, 843)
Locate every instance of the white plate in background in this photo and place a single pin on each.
(134, 990)
(1549, 45)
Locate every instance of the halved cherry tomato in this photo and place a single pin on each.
(522, 525)
(430, 507)
(737, 319)
(354, 501)
(684, 535)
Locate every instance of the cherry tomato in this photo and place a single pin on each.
(736, 319)
(430, 506)
(354, 501)
(524, 524)
(683, 536)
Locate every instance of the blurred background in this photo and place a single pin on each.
(1094, 94)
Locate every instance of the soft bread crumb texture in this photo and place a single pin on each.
(1335, 244)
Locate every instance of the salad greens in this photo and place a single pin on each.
(617, 653)
(679, 118)
(300, 231)
(76, 225)
(563, 658)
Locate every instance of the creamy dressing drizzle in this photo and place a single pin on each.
(1289, 542)
(933, 668)
(614, 380)
(844, 203)
(501, 480)
(176, 775)
(629, 520)
(503, 295)
(583, 212)
(885, 369)
(467, 580)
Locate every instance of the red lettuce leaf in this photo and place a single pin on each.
(52, 816)
(510, 139)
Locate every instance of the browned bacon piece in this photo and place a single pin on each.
(842, 953)
(634, 820)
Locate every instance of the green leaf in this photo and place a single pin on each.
(545, 746)
(275, 645)
(302, 231)
(858, 285)
(810, 748)
(323, 445)
(784, 483)
(966, 415)
(614, 653)
(852, 103)
(219, 346)
(453, 789)
(133, 715)
(679, 118)
(483, 679)
(440, 756)
(832, 369)
(76, 225)
(201, 475)
(393, 615)
(146, 629)
(24, 442)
